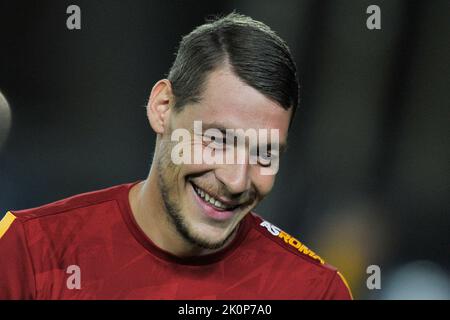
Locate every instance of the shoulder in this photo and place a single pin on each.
(294, 257)
(287, 243)
(72, 204)
(79, 221)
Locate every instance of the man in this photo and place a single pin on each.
(187, 231)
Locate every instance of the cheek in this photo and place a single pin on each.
(168, 170)
(197, 169)
(264, 184)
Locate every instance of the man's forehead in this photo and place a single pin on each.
(224, 120)
(229, 112)
(228, 103)
(224, 89)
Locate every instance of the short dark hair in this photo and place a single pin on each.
(255, 53)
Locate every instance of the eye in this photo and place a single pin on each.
(264, 159)
(213, 141)
(265, 156)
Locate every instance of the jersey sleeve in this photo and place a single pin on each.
(17, 279)
(338, 289)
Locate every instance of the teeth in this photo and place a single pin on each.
(210, 199)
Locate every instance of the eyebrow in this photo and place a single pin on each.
(215, 125)
(282, 147)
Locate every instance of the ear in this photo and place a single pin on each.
(159, 105)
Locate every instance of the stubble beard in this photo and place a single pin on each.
(174, 213)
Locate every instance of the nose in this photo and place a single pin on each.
(235, 177)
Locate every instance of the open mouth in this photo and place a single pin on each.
(211, 201)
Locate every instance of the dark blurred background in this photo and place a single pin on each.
(366, 178)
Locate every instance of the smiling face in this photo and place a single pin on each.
(206, 202)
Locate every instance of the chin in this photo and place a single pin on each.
(210, 236)
(211, 233)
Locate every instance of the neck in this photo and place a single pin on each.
(150, 214)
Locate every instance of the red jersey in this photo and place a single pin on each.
(90, 247)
